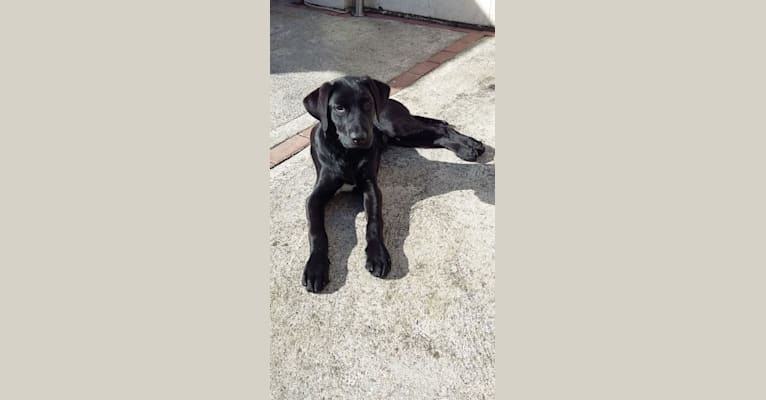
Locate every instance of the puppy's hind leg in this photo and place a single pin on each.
(429, 132)
(465, 147)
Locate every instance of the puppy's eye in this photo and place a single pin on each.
(340, 108)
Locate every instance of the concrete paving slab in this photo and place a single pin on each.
(427, 331)
(309, 48)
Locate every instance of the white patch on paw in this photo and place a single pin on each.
(345, 188)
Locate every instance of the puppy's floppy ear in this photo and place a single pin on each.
(380, 92)
(316, 103)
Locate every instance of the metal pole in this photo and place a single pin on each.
(359, 8)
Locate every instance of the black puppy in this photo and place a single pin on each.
(357, 121)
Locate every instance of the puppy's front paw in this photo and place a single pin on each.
(316, 273)
(378, 260)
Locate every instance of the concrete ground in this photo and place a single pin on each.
(309, 48)
(427, 331)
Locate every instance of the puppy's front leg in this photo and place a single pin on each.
(316, 272)
(378, 260)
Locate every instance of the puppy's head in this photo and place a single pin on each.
(347, 107)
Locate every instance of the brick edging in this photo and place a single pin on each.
(294, 144)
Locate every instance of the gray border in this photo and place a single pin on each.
(134, 220)
(631, 199)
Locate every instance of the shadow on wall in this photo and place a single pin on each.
(423, 179)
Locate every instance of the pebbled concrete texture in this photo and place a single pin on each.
(427, 331)
(309, 48)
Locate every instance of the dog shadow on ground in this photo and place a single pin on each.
(405, 178)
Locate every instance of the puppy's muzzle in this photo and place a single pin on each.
(360, 140)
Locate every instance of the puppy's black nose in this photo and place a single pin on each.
(357, 137)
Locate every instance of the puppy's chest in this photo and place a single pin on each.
(352, 172)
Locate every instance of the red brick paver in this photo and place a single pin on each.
(403, 80)
(287, 149)
(472, 37)
(441, 57)
(306, 133)
(423, 68)
(457, 47)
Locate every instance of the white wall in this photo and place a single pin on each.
(478, 12)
